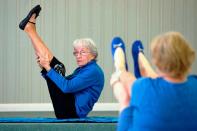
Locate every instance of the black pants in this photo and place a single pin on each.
(63, 103)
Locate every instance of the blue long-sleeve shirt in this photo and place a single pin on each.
(159, 105)
(86, 83)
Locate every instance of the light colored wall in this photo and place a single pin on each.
(62, 21)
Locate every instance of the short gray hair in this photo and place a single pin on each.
(88, 43)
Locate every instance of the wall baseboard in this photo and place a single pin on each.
(42, 107)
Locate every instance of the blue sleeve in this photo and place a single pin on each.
(43, 73)
(125, 121)
(83, 80)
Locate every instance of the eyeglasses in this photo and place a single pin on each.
(82, 53)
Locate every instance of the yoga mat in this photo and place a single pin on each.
(54, 120)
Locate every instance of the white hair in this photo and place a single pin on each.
(87, 43)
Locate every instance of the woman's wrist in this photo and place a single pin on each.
(47, 68)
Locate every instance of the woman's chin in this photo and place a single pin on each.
(79, 64)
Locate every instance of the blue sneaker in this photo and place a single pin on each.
(137, 47)
(118, 53)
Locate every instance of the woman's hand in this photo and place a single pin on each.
(38, 62)
(44, 62)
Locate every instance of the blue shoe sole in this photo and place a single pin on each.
(118, 42)
(136, 48)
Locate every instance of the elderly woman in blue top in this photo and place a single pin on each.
(162, 101)
(73, 96)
